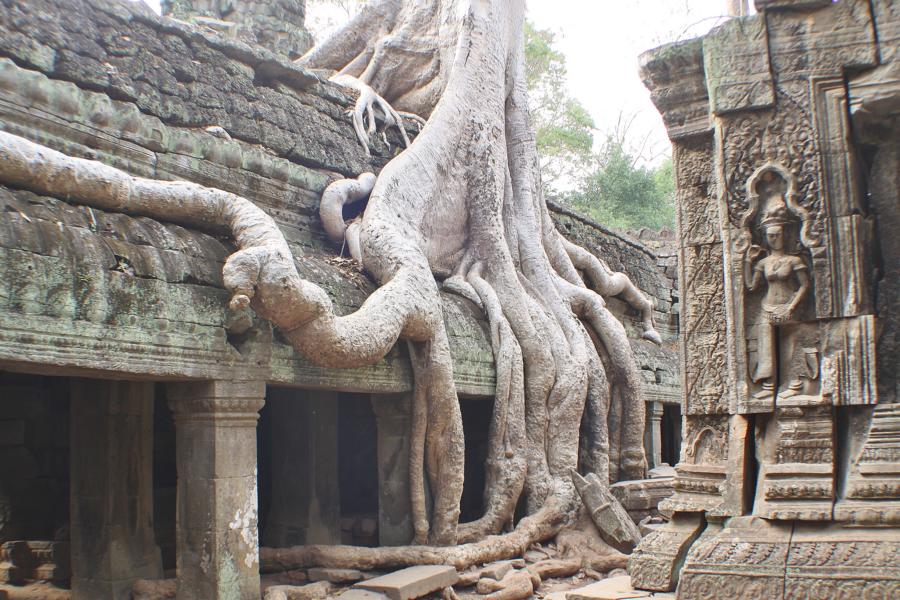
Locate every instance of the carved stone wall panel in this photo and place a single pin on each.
(830, 562)
(696, 202)
(736, 60)
(703, 330)
(887, 25)
(744, 560)
(795, 451)
(803, 43)
(849, 361)
(872, 491)
(710, 474)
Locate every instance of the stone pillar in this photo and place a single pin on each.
(306, 506)
(655, 414)
(111, 493)
(217, 541)
(392, 414)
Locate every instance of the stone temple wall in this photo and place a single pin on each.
(158, 98)
(785, 127)
(120, 307)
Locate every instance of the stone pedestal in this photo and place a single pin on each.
(111, 492)
(306, 505)
(393, 418)
(217, 541)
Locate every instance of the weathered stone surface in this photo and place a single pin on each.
(411, 582)
(277, 26)
(657, 561)
(613, 588)
(643, 494)
(611, 519)
(783, 193)
(217, 538)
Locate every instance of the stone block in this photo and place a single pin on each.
(643, 494)
(614, 588)
(412, 582)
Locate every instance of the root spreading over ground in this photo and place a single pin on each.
(461, 208)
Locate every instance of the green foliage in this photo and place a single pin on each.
(624, 195)
(607, 185)
(564, 129)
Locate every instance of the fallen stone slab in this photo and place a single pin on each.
(614, 588)
(412, 582)
(312, 591)
(335, 575)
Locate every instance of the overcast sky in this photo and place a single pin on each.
(601, 40)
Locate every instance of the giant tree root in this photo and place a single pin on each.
(537, 528)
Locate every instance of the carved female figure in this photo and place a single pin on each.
(787, 284)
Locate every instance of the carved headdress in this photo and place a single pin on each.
(776, 213)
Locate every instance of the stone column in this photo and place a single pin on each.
(392, 414)
(111, 493)
(217, 541)
(655, 414)
(306, 506)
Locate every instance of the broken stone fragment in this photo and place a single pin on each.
(412, 582)
(610, 517)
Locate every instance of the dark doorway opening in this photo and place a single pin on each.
(358, 469)
(671, 434)
(476, 416)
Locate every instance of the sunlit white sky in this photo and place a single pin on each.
(601, 40)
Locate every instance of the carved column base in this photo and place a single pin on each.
(656, 562)
(753, 558)
(797, 465)
(746, 559)
(872, 493)
(835, 562)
